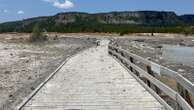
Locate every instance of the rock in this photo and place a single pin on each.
(32, 88)
(159, 46)
(182, 44)
(6, 48)
(140, 40)
(160, 57)
(138, 62)
(181, 70)
(156, 60)
(23, 70)
(27, 61)
(7, 72)
(10, 95)
(148, 58)
(11, 54)
(29, 78)
(16, 71)
(78, 48)
(124, 90)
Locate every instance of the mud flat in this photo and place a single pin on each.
(24, 65)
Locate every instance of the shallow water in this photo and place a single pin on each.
(179, 54)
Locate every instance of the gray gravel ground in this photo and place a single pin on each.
(24, 66)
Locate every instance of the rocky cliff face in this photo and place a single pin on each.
(140, 17)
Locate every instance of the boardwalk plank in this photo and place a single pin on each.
(92, 80)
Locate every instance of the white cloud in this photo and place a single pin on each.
(20, 12)
(65, 5)
(5, 11)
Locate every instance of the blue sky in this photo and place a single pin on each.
(20, 9)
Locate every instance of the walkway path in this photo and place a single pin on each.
(93, 80)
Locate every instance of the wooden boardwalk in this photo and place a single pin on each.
(93, 80)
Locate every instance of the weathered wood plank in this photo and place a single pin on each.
(179, 78)
(183, 103)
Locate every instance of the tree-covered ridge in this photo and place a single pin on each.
(125, 22)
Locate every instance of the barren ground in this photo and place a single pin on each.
(24, 65)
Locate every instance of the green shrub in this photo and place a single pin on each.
(187, 31)
(124, 33)
(37, 35)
